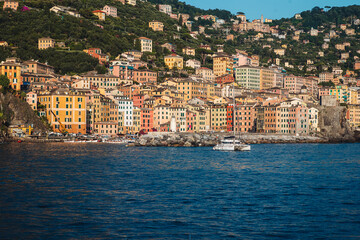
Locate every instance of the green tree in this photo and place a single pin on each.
(101, 69)
(137, 45)
(4, 83)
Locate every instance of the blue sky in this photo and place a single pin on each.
(273, 9)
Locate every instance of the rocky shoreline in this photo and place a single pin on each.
(208, 140)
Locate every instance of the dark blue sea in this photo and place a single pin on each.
(108, 191)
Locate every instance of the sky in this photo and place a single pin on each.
(272, 9)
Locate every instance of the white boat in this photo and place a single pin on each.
(232, 144)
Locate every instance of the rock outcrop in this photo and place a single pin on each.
(334, 126)
(17, 112)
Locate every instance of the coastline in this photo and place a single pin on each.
(209, 140)
(169, 139)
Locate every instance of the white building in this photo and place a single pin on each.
(314, 120)
(165, 8)
(193, 63)
(146, 44)
(248, 77)
(131, 2)
(205, 73)
(126, 108)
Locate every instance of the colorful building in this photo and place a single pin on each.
(248, 77)
(45, 43)
(69, 108)
(100, 14)
(11, 4)
(156, 26)
(222, 64)
(174, 61)
(12, 69)
(110, 11)
(146, 44)
(96, 53)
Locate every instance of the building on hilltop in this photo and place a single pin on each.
(156, 26)
(174, 60)
(165, 8)
(110, 11)
(12, 69)
(146, 44)
(222, 64)
(11, 4)
(45, 43)
(96, 53)
(100, 14)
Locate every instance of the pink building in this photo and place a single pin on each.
(293, 83)
(324, 91)
(31, 99)
(244, 118)
(138, 64)
(145, 76)
(138, 100)
(122, 71)
(110, 10)
(161, 115)
(190, 117)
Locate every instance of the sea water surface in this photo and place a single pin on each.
(108, 191)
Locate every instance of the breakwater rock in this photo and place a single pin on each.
(211, 139)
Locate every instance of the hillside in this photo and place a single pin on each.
(116, 35)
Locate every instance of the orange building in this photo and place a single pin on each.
(96, 53)
(12, 69)
(11, 4)
(69, 107)
(100, 14)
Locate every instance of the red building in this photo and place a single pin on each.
(226, 78)
(147, 120)
(96, 53)
(129, 90)
(138, 100)
(229, 118)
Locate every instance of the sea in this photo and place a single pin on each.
(109, 191)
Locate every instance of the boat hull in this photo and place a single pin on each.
(235, 147)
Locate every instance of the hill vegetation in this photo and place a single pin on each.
(116, 35)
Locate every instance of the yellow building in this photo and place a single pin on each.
(354, 115)
(136, 120)
(11, 68)
(189, 51)
(218, 118)
(100, 14)
(45, 43)
(174, 60)
(341, 92)
(69, 108)
(354, 96)
(156, 26)
(222, 64)
(192, 89)
(201, 121)
(266, 78)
